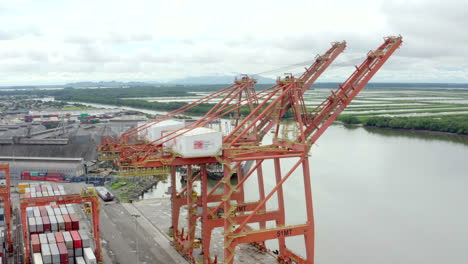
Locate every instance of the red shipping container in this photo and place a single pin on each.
(46, 224)
(35, 243)
(68, 222)
(76, 239)
(59, 237)
(75, 222)
(43, 211)
(54, 179)
(25, 173)
(63, 253)
(37, 178)
(55, 174)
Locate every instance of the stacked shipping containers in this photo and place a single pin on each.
(54, 229)
(62, 248)
(34, 190)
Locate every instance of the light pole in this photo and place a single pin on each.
(136, 236)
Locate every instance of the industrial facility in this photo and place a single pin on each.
(219, 209)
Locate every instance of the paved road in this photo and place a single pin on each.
(119, 237)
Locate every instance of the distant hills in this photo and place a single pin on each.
(199, 80)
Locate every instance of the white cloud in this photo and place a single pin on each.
(57, 41)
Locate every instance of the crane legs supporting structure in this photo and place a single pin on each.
(243, 222)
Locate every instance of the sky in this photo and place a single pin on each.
(61, 41)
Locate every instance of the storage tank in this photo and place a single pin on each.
(199, 142)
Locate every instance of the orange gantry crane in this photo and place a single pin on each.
(156, 156)
(88, 195)
(5, 195)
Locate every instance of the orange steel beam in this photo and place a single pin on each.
(62, 199)
(5, 194)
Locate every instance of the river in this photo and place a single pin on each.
(382, 196)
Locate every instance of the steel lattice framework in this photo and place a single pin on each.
(244, 155)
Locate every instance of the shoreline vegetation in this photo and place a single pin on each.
(456, 124)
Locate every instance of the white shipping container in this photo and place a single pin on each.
(80, 260)
(88, 256)
(60, 187)
(37, 212)
(63, 193)
(51, 238)
(29, 211)
(32, 225)
(27, 190)
(60, 222)
(50, 211)
(39, 194)
(70, 209)
(63, 210)
(33, 195)
(57, 211)
(37, 258)
(56, 193)
(84, 239)
(46, 255)
(55, 253)
(71, 252)
(199, 142)
(71, 260)
(53, 223)
(68, 240)
(44, 194)
(39, 226)
(78, 252)
(43, 238)
(155, 132)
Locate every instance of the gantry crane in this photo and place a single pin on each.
(183, 241)
(88, 195)
(5, 195)
(310, 125)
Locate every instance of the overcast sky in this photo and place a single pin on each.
(59, 41)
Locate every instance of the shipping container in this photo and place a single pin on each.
(199, 142)
(60, 222)
(51, 238)
(37, 212)
(68, 239)
(78, 252)
(79, 260)
(63, 209)
(43, 239)
(46, 223)
(46, 255)
(39, 225)
(63, 253)
(68, 222)
(37, 258)
(75, 222)
(85, 241)
(70, 209)
(53, 223)
(57, 211)
(88, 256)
(35, 244)
(76, 239)
(29, 211)
(43, 211)
(32, 225)
(59, 237)
(55, 253)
